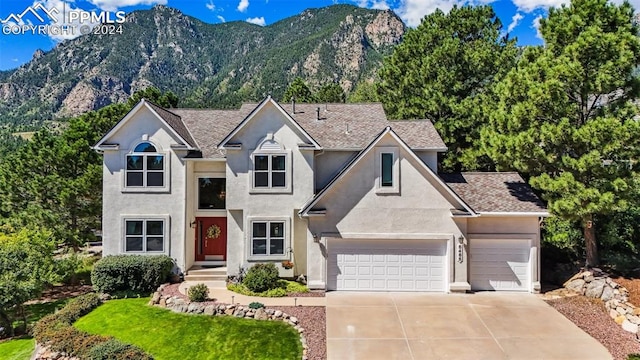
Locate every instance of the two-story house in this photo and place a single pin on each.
(352, 199)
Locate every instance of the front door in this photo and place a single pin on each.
(211, 238)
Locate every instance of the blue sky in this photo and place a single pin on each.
(519, 17)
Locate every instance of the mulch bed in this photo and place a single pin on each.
(311, 318)
(633, 285)
(61, 292)
(591, 316)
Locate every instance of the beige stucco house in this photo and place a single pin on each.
(353, 200)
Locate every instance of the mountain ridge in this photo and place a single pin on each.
(206, 65)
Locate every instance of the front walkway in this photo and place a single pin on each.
(229, 297)
(452, 326)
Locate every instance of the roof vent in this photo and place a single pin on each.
(318, 113)
(293, 105)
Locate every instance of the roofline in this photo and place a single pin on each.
(439, 149)
(189, 147)
(387, 130)
(246, 120)
(515, 213)
(129, 115)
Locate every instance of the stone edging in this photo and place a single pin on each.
(597, 284)
(180, 305)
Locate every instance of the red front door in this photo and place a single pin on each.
(211, 238)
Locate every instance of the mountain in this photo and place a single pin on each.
(206, 65)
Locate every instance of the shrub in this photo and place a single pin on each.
(198, 293)
(113, 349)
(57, 332)
(256, 305)
(261, 277)
(138, 273)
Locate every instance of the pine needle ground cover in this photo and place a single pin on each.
(19, 349)
(167, 335)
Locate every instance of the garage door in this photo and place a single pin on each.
(387, 265)
(500, 265)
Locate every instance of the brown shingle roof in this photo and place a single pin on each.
(175, 122)
(363, 122)
(495, 192)
(209, 127)
(353, 126)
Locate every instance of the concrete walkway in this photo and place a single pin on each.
(488, 325)
(229, 297)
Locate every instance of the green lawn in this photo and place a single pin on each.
(167, 335)
(19, 349)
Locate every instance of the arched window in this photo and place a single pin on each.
(270, 166)
(145, 166)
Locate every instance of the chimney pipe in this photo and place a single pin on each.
(293, 104)
(318, 113)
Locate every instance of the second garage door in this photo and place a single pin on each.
(500, 265)
(387, 265)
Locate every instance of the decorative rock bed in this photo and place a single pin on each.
(595, 283)
(180, 305)
(44, 353)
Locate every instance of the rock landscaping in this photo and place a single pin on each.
(178, 304)
(595, 283)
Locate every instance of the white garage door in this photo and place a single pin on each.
(387, 265)
(500, 265)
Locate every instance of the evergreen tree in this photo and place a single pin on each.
(298, 91)
(565, 118)
(330, 93)
(441, 70)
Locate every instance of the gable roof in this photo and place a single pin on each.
(352, 126)
(256, 110)
(171, 120)
(496, 192)
(388, 130)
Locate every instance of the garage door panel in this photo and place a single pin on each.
(397, 265)
(499, 264)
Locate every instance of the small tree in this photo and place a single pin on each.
(26, 266)
(330, 93)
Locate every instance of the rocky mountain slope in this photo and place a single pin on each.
(206, 65)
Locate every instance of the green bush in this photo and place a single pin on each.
(633, 357)
(57, 332)
(138, 273)
(261, 277)
(284, 288)
(198, 293)
(256, 305)
(114, 349)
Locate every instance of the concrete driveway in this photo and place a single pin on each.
(452, 326)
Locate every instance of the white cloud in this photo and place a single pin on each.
(412, 11)
(14, 60)
(221, 18)
(515, 20)
(374, 4)
(257, 20)
(536, 25)
(113, 5)
(530, 5)
(243, 5)
(210, 5)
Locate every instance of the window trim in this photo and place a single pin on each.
(166, 169)
(287, 172)
(196, 195)
(395, 187)
(268, 219)
(166, 228)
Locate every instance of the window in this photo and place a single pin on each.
(211, 193)
(269, 171)
(145, 167)
(268, 238)
(144, 235)
(271, 167)
(387, 170)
